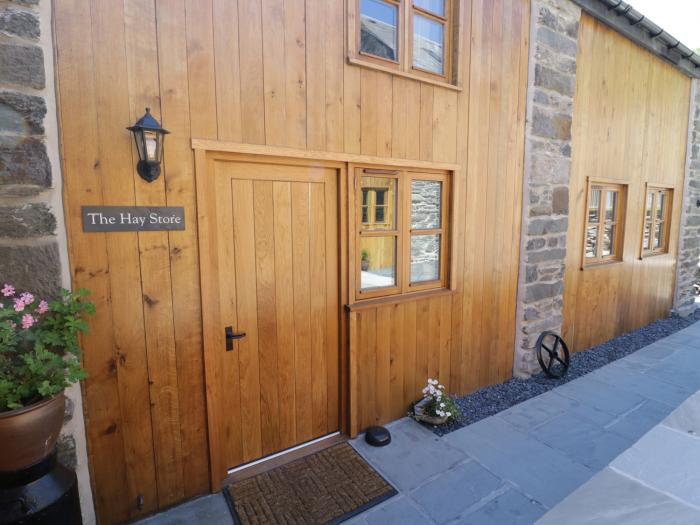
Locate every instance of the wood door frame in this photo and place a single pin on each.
(211, 320)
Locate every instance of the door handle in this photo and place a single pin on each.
(231, 336)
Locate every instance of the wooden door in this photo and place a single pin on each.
(269, 269)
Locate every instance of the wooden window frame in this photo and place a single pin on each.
(403, 232)
(405, 39)
(619, 221)
(666, 220)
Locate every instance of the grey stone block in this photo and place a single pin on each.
(549, 225)
(22, 65)
(449, 495)
(511, 507)
(610, 498)
(554, 80)
(555, 254)
(25, 162)
(20, 113)
(19, 22)
(35, 268)
(560, 200)
(207, 510)
(537, 291)
(557, 42)
(601, 396)
(28, 220)
(547, 125)
(547, 474)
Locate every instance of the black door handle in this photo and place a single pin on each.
(230, 336)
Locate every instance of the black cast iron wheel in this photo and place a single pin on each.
(552, 354)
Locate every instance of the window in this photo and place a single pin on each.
(604, 227)
(402, 231)
(409, 36)
(656, 220)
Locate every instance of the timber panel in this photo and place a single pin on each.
(204, 69)
(630, 127)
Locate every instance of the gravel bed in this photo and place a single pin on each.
(492, 399)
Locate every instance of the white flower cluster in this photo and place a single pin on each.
(435, 391)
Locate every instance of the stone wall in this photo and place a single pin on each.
(33, 254)
(551, 83)
(689, 245)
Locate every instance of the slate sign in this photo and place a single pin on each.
(133, 218)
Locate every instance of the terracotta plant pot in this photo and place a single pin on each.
(419, 412)
(29, 434)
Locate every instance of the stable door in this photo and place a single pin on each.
(270, 283)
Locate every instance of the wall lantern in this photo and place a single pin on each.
(149, 136)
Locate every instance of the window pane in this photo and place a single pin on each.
(658, 235)
(426, 204)
(591, 242)
(647, 236)
(660, 204)
(434, 6)
(378, 262)
(428, 44)
(610, 205)
(425, 258)
(594, 206)
(381, 203)
(650, 205)
(378, 28)
(609, 240)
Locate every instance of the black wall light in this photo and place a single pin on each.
(149, 136)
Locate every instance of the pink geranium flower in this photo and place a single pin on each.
(27, 321)
(19, 305)
(27, 298)
(8, 290)
(43, 307)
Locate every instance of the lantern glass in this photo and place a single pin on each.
(151, 143)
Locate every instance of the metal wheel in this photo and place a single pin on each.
(552, 354)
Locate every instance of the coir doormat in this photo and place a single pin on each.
(327, 487)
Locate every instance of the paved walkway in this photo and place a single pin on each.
(517, 465)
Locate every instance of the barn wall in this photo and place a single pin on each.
(630, 126)
(273, 73)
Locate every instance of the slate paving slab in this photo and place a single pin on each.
(512, 508)
(614, 499)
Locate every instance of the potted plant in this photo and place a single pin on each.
(436, 407)
(39, 358)
(364, 262)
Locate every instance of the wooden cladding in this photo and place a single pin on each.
(203, 68)
(629, 133)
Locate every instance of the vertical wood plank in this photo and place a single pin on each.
(251, 69)
(227, 70)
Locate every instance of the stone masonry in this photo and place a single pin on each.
(689, 247)
(33, 253)
(551, 83)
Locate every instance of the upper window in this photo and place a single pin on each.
(656, 220)
(401, 241)
(411, 36)
(604, 222)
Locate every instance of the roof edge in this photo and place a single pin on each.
(626, 20)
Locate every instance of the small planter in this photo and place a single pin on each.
(364, 263)
(29, 434)
(420, 415)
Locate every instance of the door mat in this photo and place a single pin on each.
(324, 488)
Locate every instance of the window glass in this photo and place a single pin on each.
(650, 205)
(658, 236)
(378, 262)
(609, 240)
(436, 7)
(647, 236)
(594, 206)
(610, 205)
(591, 242)
(378, 29)
(425, 258)
(660, 204)
(428, 44)
(426, 207)
(381, 203)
